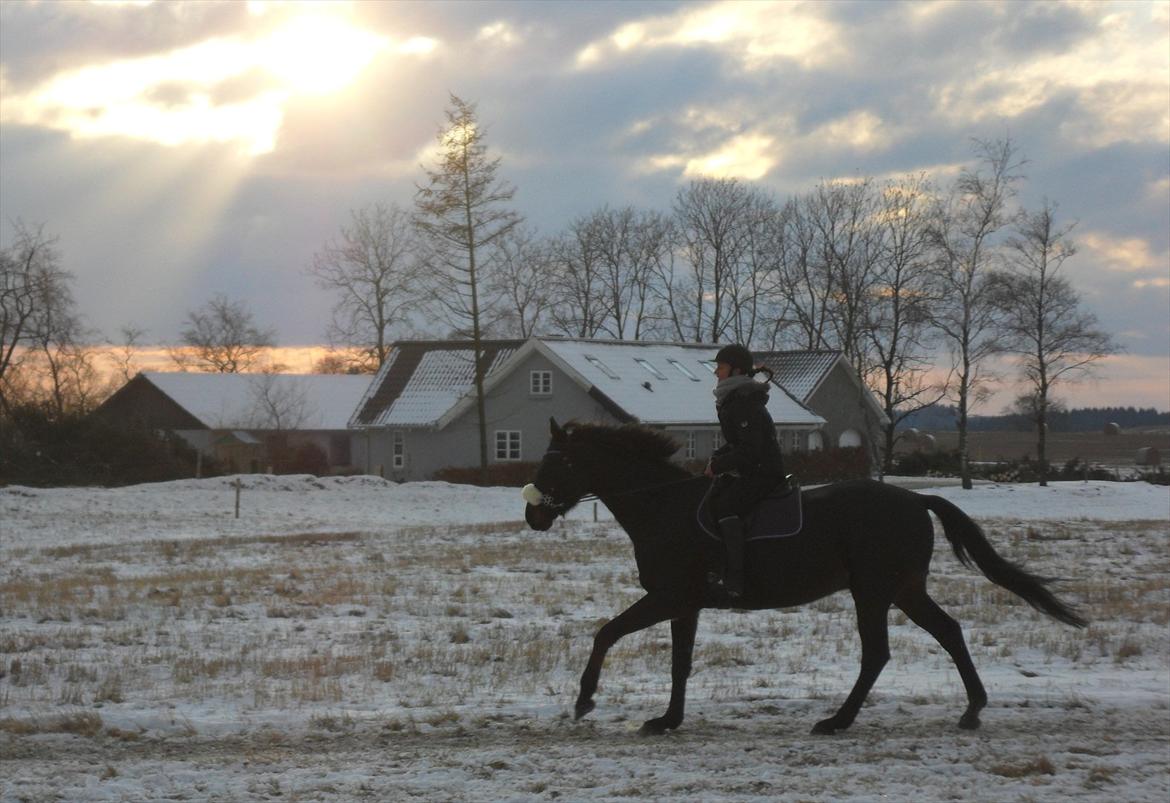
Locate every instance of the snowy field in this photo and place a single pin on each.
(352, 639)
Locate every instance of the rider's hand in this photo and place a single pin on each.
(708, 471)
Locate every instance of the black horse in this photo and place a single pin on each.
(874, 539)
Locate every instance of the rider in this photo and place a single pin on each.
(748, 466)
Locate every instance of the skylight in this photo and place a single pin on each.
(682, 369)
(600, 366)
(649, 367)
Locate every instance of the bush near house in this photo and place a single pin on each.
(43, 449)
(505, 475)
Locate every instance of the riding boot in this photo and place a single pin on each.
(733, 540)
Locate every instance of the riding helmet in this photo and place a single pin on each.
(737, 356)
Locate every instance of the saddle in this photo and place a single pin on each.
(778, 515)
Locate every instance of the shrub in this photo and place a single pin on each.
(508, 475)
(40, 448)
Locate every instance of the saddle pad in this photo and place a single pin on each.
(779, 516)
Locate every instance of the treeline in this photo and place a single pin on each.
(941, 418)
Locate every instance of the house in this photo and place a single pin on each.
(419, 414)
(825, 382)
(242, 419)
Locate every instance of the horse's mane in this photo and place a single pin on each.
(627, 439)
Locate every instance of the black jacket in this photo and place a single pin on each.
(749, 435)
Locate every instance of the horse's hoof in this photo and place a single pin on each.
(969, 722)
(657, 727)
(826, 727)
(583, 708)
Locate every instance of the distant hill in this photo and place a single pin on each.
(1086, 419)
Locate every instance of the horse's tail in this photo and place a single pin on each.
(970, 544)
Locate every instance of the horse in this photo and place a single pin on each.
(871, 538)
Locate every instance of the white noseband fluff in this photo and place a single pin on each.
(532, 494)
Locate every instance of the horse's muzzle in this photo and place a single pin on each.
(539, 517)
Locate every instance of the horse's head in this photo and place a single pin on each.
(559, 483)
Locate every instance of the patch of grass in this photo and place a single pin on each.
(1041, 765)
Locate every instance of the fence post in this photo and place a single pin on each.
(238, 485)
(595, 512)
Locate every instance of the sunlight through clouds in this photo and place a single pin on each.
(747, 156)
(171, 98)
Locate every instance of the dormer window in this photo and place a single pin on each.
(650, 368)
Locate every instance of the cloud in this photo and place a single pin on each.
(1125, 255)
(755, 34)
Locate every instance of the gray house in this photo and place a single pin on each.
(240, 418)
(825, 382)
(419, 413)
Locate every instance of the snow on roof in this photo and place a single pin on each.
(233, 401)
(423, 380)
(662, 383)
(800, 372)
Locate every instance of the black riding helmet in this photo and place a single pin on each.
(737, 356)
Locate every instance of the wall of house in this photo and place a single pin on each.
(510, 406)
(838, 401)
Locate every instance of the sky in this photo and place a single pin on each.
(184, 149)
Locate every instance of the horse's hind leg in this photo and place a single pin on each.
(872, 613)
(925, 612)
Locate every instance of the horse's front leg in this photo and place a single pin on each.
(682, 632)
(650, 610)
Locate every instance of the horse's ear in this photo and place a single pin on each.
(555, 430)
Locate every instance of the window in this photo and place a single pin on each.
(689, 448)
(709, 365)
(507, 444)
(816, 441)
(850, 439)
(682, 369)
(796, 441)
(398, 450)
(540, 383)
(600, 366)
(716, 440)
(654, 371)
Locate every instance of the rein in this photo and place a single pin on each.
(629, 491)
(643, 489)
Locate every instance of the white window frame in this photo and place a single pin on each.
(716, 440)
(600, 366)
(796, 440)
(397, 449)
(689, 445)
(508, 449)
(540, 382)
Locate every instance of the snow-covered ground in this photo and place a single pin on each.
(351, 639)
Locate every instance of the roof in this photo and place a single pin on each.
(654, 383)
(422, 380)
(800, 372)
(231, 401)
(803, 373)
(662, 383)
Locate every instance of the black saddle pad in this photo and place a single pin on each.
(780, 515)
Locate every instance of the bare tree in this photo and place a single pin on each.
(805, 283)
(222, 337)
(30, 279)
(462, 213)
(520, 282)
(279, 403)
(899, 321)
(1055, 339)
(374, 269)
(968, 312)
(577, 281)
(124, 351)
